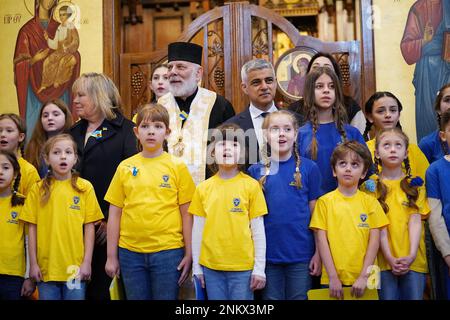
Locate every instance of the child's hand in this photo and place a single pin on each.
(112, 267)
(405, 263)
(395, 264)
(201, 278)
(85, 271)
(257, 282)
(35, 273)
(45, 35)
(359, 287)
(336, 289)
(185, 267)
(315, 265)
(28, 288)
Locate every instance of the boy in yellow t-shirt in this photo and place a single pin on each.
(228, 238)
(12, 231)
(149, 227)
(402, 258)
(60, 211)
(346, 223)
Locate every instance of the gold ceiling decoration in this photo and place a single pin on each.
(292, 8)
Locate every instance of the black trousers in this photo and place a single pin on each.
(98, 287)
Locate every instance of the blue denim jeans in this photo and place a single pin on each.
(228, 285)
(406, 287)
(10, 287)
(150, 276)
(60, 290)
(287, 281)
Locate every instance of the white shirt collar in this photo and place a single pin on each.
(255, 112)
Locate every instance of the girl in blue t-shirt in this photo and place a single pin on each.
(438, 192)
(432, 145)
(291, 186)
(326, 126)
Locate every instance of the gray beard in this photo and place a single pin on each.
(186, 89)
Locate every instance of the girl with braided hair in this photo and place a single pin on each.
(60, 212)
(432, 145)
(12, 139)
(402, 258)
(12, 241)
(327, 122)
(383, 112)
(291, 185)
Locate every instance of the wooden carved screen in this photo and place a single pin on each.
(230, 35)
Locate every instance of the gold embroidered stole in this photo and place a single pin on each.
(190, 141)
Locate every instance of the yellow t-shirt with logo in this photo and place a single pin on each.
(417, 160)
(12, 239)
(150, 192)
(228, 206)
(60, 236)
(347, 221)
(398, 216)
(29, 176)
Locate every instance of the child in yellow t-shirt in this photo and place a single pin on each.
(402, 258)
(228, 237)
(149, 228)
(383, 112)
(12, 231)
(60, 211)
(12, 139)
(346, 222)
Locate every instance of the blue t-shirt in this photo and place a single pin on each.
(438, 186)
(328, 137)
(288, 237)
(431, 146)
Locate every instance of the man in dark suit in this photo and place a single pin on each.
(260, 85)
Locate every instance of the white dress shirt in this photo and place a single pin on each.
(258, 119)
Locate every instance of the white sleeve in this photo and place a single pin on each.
(197, 234)
(359, 121)
(438, 227)
(259, 243)
(53, 43)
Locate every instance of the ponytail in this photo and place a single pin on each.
(381, 187)
(297, 174)
(367, 130)
(267, 162)
(16, 199)
(412, 192)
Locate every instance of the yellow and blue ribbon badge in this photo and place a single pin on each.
(134, 171)
(97, 134)
(183, 115)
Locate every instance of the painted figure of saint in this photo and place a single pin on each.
(33, 51)
(423, 43)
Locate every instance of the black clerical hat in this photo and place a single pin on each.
(185, 51)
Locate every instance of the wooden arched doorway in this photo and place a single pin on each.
(231, 35)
